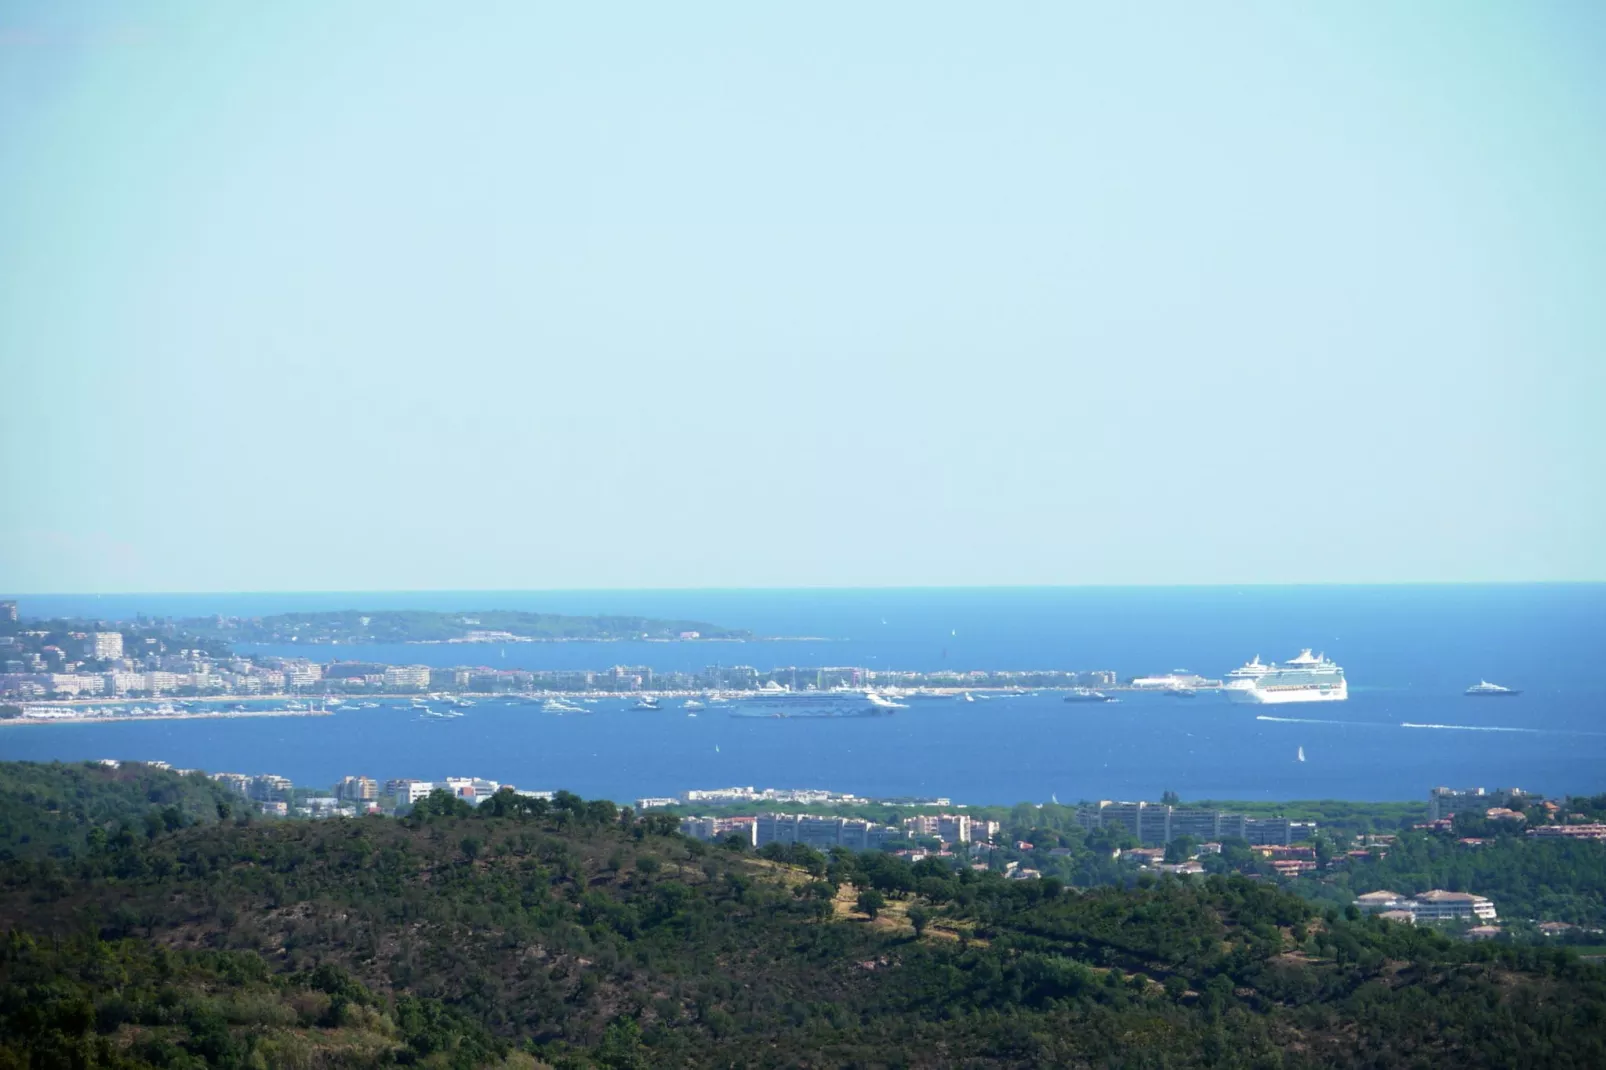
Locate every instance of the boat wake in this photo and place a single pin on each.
(1470, 727)
(1317, 720)
(1418, 724)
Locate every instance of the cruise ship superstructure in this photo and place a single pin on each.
(1306, 678)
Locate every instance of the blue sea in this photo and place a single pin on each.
(1408, 652)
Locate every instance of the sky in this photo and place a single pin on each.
(398, 296)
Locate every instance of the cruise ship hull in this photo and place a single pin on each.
(1276, 696)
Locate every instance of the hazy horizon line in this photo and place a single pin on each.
(432, 591)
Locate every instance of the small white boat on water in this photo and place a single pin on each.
(1484, 689)
(1301, 754)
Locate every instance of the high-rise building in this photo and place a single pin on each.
(949, 828)
(357, 789)
(8, 610)
(104, 645)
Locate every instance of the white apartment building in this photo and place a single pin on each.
(302, 673)
(118, 683)
(472, 789)
(716, 795)
(1380, 901)
(409, 792)
(74, 684)
(1437, 905)
(104, 645)
(655, 803)
(1451, 906)
(949, 828)
(157, 682)
(407, 678)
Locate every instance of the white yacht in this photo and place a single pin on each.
(1306, 678)
(1484, 689)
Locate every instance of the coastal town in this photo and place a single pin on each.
(51, 673)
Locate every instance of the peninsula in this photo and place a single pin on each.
(426, 626)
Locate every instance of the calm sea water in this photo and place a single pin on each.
(1408, 653)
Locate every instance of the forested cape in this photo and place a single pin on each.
(574, 934)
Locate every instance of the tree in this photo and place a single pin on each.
(919, 917)
(870, 902)
(1180, 849)
(1170, 798)
(621, 1046)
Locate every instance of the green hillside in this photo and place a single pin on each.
(54, 810)
(574, 935)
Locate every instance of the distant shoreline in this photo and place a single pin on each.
(177, 715)
(562, 639)
(518, 640)
(67, 705)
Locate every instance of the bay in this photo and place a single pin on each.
(1407, 651)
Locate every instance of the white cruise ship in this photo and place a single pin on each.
(1307, 678)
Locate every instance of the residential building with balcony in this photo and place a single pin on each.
(407, 677)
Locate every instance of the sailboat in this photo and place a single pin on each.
(1301, 754)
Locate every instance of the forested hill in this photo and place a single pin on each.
(416, 626)
(574, 935)
(60, 809)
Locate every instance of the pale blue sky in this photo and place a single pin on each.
(373, 295)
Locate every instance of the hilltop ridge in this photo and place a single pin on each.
(575, 934)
